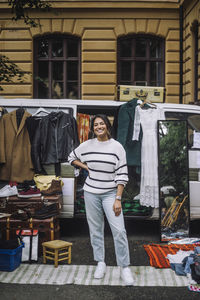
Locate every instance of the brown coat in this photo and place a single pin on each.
(15, 149)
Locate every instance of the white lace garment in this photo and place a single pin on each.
(147, 118)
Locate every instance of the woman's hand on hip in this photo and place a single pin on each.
(117, 207)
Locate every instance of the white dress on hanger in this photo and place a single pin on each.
(149, 187)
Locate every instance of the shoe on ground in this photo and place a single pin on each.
(8, 190)
(127, 276)
(100, 270)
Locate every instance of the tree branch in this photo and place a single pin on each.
(9, 70)
(20, 9)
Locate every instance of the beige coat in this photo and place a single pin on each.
(15, 149)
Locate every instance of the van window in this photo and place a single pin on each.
(193, 124)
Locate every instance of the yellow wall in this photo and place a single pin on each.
(99, 30)
(191, 13)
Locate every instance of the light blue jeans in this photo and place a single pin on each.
(96, 205)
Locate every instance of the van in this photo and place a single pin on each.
(187, 112)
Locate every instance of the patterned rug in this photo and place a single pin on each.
(83, 275)
(157, 253)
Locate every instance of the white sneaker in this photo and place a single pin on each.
(100, 270)
(8, 190)
(127, 276)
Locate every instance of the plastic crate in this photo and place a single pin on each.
(10, 259)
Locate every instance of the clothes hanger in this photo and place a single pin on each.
(21, 109)
(40, 110)
(20, 112)
(149, 103)
(142, 95)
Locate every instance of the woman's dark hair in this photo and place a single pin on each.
(106, 121)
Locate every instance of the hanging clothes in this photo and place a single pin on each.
(124, 133)
(83, 122)
(33, 123)
(19, 115)
(15, 154)
(147, 118)
(53, 137)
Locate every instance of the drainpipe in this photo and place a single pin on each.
(181, 54)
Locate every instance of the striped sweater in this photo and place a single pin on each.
(106, 162)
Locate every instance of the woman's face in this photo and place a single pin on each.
(100, 129)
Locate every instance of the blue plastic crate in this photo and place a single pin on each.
(10, 259)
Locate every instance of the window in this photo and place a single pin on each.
(57, 67)
(141, 60)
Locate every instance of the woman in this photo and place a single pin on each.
(105, 160)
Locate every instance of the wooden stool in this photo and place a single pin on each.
(56, 250)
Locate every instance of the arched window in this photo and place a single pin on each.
(141, 60)
(57, 67)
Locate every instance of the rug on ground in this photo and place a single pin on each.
(83, 275)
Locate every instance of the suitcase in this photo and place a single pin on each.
(13, 203)
(48, 229)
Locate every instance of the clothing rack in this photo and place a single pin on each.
(32, 105)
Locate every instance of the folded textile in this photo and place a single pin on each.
(194, 288)
(179, 256)
(158, 252)
(181, 261)
(185, 241)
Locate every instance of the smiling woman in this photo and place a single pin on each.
(105, 160)
(101, 128)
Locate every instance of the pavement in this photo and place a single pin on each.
(76, 231)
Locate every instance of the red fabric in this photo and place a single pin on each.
(83, 121)
(157, 253)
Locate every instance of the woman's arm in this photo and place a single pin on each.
(117, 206)
(78, 163)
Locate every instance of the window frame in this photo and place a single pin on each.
(50, 59)
(195, 32)
(146, 59)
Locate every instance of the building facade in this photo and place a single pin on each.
(86, 49)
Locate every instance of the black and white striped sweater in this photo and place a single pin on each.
(106, 162)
